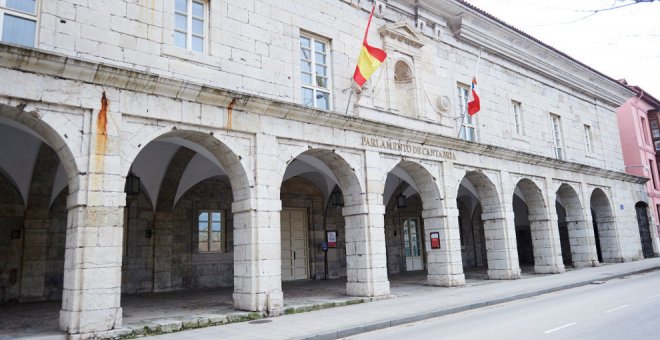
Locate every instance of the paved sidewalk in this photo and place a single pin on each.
(354, 319)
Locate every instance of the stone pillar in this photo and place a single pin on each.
(92, 269)
(547, 246)
(366, 261)
(609, 240)
(93, 255)
(257, 236)
(257, 256)
(500, 232)
(445, 267)
(162, 276)
(582, 239)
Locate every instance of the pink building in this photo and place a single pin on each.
(639, 127)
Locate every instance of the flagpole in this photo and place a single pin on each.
(476, 69)
(349, 101)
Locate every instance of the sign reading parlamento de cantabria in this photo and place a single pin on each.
(405, 147)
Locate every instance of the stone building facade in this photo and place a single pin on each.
(235, 117)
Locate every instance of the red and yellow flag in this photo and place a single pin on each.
(370, 58)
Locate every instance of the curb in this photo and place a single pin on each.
(355, 330)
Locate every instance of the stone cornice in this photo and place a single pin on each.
(403, 32)
(518, 48)
(70, 68)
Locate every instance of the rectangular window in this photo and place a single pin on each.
(468, 125)
(315, 72)
(517, 117)
(657, 145)
(652, 170)
(18, 19)
(587, 139)
(644, 131)
(210, 231)
(556, 136)
(655, 130)
(190, 24)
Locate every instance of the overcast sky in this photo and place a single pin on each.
(621, 43)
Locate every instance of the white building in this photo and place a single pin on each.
(235, 117)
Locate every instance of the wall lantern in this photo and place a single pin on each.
(336, 198)
(132, 186)
(400, 201)
(400, 198)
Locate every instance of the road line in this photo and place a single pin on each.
(560, 327)
(617, 308)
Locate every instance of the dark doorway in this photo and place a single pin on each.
(644, 232)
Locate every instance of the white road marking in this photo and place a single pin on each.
(560, 327)
(617, 308)
(652, 296)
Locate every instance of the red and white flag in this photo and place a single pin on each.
(473, 99)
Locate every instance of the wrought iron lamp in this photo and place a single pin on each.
(132, 186)
(336, 198)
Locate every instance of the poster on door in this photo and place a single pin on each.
(332, 239)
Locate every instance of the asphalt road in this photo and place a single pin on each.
(626, 308)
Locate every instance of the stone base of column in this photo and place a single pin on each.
(549, 269)
(271, 303)
(90, 320)
(381, 288)
(584, 264)
(503, 274)
(446, 280)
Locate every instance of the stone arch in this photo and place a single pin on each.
(543, 237)
(35, 125)
(364, 233)
(342, 169)
(404, 88)
(439, 261)
(644, 226)
(500, 239)
(577, 238)
(230, 161)
(604, 223)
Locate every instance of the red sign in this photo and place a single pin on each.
(435, 240)
(332, 239)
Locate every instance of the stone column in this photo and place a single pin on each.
(257, 236)
(500, 233)
(546, 243)
(582, 239)
(162, 276)
(92, 269)
(445, 267)
(257, 256)
(609, 240)
(93, 255)
(366, 261)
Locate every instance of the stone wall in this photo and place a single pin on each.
(12, 213)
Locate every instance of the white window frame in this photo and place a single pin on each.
(4, 10)
(516, 108)
(588, 140)
(209, 231)
(468, 123)
(555, 122)
(315, 87)
(189, 29)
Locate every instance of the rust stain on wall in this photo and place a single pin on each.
(102, 133)
(230, 112)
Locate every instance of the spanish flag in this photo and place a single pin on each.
(370, 58)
